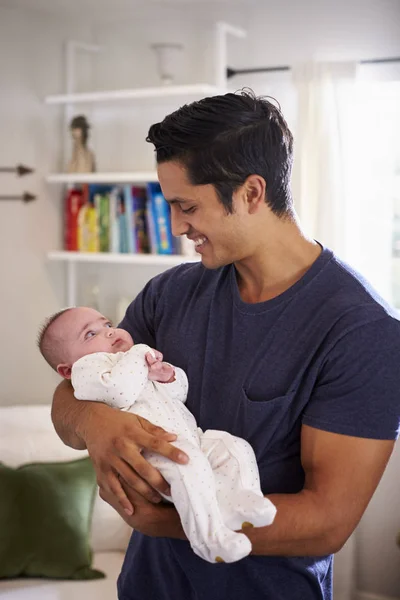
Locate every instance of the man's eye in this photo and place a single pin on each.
(188, 211)
(89, 334)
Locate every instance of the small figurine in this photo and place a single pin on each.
(82, 160)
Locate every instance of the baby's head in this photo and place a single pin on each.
(74, 332)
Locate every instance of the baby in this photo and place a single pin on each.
(104, 365)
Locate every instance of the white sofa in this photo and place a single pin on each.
(27, 435)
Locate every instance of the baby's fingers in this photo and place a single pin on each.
(159, 355)
(150, 360)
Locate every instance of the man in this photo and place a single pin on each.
(283, 345)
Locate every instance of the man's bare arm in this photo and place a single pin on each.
(68, 414)
(342, 473)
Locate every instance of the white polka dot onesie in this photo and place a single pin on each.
(218, 490)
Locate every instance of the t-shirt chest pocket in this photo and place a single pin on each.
(264, 421)
(270, 395)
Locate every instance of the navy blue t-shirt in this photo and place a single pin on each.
(326, 353)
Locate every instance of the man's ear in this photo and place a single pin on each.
(64, 370)
(255, 188)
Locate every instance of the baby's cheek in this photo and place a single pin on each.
(126, 337)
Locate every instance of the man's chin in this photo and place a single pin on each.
(213, 264)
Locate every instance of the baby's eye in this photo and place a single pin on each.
(90, 334)
(108, 324)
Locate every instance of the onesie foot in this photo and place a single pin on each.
(248, 507)
(224, 546)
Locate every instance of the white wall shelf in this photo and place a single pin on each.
(197, 90)
(117, 258)
(178, 95)
(70, 259)
(140, 178)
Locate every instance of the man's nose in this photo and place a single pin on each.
(178, 224)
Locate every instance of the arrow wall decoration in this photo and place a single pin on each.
(19, 170)
(26, 197)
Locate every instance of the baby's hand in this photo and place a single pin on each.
(158, 370)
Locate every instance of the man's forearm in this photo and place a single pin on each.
(303, 526)
(70, 415)
(300, 528)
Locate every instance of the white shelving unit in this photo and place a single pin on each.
(71, 259)
(197, 90)
(139, 178)
(167, 260)
(179, 94)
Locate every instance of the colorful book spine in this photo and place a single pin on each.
(122, 224)
(88, 231)
(102, 204)
(150, 227)
(160, 217)
(73, 203)
(129, 220)
(114, 224)
(141, 236)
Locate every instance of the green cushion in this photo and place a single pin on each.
(45, 517)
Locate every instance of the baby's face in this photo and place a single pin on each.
(85, 331)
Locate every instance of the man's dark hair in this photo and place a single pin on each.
(222, 140)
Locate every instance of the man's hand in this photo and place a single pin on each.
(115, 441)
(158, 370)
(160, 520)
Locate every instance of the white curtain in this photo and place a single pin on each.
(346, 144)
(319, 182)
(346, 147)
(372, 136)
(319, 171)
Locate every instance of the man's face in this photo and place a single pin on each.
(196, 212)
(84, 331)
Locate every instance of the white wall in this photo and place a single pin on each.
(30, 58)
(31, 66)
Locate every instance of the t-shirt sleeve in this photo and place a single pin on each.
(358, 390)
(142, 315)
(139, 316)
